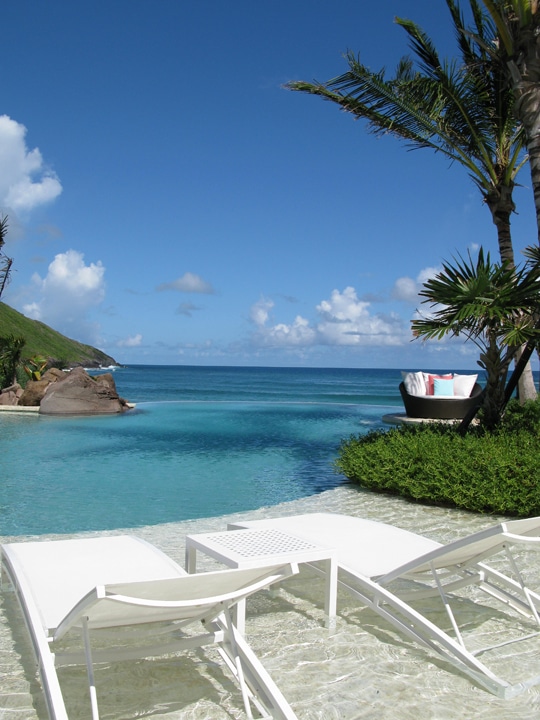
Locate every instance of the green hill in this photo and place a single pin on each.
(40, 339)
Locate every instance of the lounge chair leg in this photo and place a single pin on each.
(524, 587)
(90, 669)
(238, 663)
(447, 606)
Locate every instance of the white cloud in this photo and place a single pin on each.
(260, 312)
(427, 273)
(343, 320)
(68, 273)
(406, 289)
(343, 307)
(298, 334)
(133, 341)
(33, 310)
(188, 283)
(346, 320)
(25, 182)
(66, 295)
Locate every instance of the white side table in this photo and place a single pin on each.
(260, 547)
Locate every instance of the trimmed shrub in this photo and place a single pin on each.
(522, 417)
(484, 472)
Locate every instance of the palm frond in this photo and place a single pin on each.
(460, 109)
(490, 303)
(3, 230)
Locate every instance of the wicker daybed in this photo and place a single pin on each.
(439, 408)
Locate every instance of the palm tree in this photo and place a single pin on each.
(11, 348)
(462, 110)
(494, 306)
(516, 53)
(518, 25)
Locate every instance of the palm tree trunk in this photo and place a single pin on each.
(533, 148)
(501, 205)
(493, 400)
(527, 351)
(528, 107)
(525, 74)
(526, 387)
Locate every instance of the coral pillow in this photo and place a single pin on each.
(430, 379)
(414, 382)
(463, 384)
(443, 388)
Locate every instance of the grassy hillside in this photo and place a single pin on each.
(43, 340)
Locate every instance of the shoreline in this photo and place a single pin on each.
(362, 669)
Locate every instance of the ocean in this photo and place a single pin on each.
(201, 442)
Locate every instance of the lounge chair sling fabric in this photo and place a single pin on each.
(389, 569)
(103, 586)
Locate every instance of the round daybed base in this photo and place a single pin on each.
(433, 407)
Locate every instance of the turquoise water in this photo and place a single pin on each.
(201, 442)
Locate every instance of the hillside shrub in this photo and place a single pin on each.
(431, 463)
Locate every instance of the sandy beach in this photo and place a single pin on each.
(361, 669)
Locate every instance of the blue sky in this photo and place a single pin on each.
(170, 203)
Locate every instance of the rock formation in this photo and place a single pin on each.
(11, 395)
(77, 393)
(36, 389)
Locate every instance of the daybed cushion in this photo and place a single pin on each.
(414, 382)
(443, 387)
(430, 380)
(463, 384)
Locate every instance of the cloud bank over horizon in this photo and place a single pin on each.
(343, 320)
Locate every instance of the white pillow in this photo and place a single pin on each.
(414, 383)
(463, 384)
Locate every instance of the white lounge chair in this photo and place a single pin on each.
(100, 586)
(390, 569)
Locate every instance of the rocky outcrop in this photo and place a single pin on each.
(11, 395)
(33, 392)
(79, 394)
(36, 389)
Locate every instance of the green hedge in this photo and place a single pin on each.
(488, 473)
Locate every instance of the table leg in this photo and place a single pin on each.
(191, 559)
(330, 598)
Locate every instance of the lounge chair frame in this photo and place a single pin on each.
(441, 572)
(166, 604)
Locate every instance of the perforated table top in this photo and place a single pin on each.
(241, 548)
